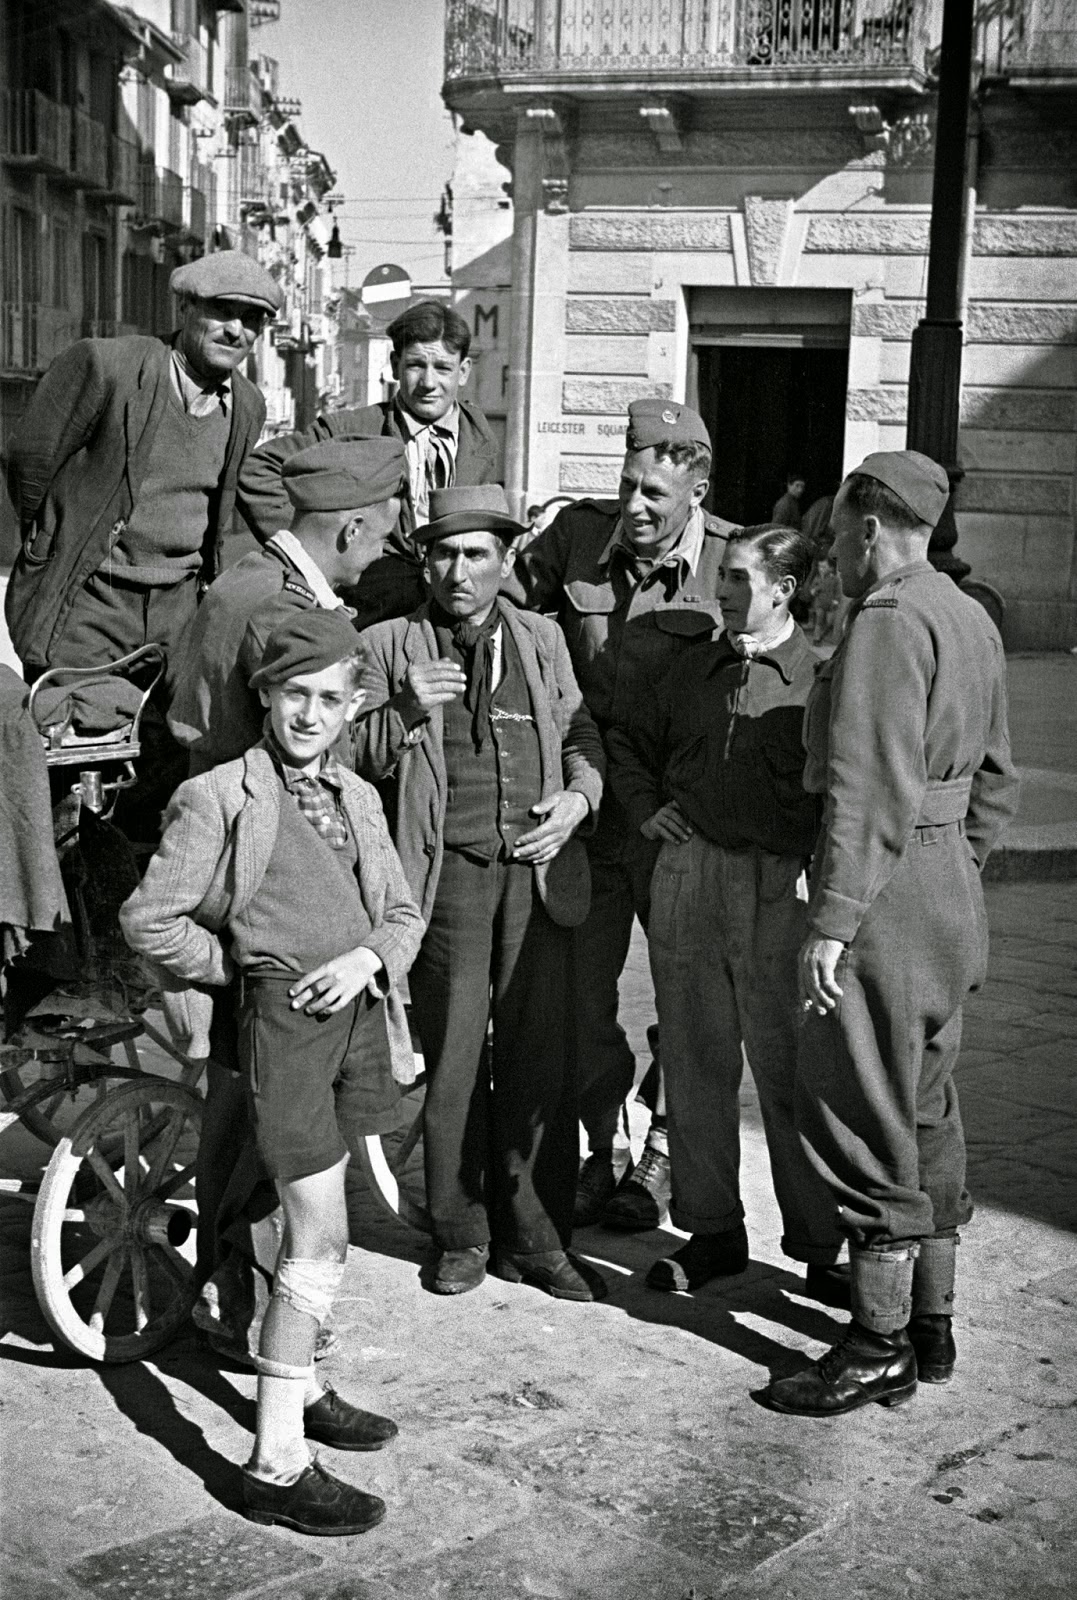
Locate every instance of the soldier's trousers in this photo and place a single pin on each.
(725, 930)
(876, 1105)
(621, 863)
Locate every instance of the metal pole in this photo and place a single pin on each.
(935, 368)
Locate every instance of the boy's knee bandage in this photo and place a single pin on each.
(280, 1369)
(308, 1286)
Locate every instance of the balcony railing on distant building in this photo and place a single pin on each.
(32, 334)
(506, 38)
(160, 196)
(252, 176)
(89, 152)
(34, 130)
(1033, 38)
(171, 193)
(123, 168)
(194, 212)
(242, 94)
(187, 83)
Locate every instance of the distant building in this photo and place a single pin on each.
(728, 203)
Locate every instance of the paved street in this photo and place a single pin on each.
(618, 1450)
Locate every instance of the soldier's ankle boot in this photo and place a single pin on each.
(931, 1325)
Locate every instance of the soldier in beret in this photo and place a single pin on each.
(906, 735)
(254, 854)
(345, 497)
(447, 439)
(633, 582)
(123, 474)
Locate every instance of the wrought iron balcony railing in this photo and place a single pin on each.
(514, 38)
(34, 130)
(1028, 38)
(89, 152)
(124, 160)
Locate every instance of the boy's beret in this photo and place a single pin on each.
(309, 641)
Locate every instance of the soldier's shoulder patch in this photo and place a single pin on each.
(297, 587)
(881, 603)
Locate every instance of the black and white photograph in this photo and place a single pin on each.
(538, 799)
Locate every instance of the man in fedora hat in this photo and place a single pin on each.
(472, 710)
(906, 735)
(123, 474)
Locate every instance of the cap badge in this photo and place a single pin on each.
(669, 416)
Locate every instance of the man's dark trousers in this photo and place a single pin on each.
(876, 1107)
(501, 1144)
(622, 862)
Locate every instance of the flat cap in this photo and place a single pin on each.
(345, 474)
(309, 641)
(917, 480)
(228, 275)
(477, 508)
(652, 421)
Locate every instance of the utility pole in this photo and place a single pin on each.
(935, 372)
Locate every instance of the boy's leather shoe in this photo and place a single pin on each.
(461, 1270)
(705, 1256)
(317, 1503)
(863, 1366)
(595, 1188)
(932, 1338)
(338, 1423)
(557, 1273)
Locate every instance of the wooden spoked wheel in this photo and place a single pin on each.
(56, 1115)
(393, 1162)
(112, 1246)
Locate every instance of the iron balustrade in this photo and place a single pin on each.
(35, 130)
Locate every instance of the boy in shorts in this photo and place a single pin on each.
(279, 865)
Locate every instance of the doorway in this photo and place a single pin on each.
(769, 372)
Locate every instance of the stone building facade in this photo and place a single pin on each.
(729, 203)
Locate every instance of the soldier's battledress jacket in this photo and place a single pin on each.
(905, 727)
(624, 625)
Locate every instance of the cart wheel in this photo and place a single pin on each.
(393, 1162)
(57, 1114)
(115, 1207)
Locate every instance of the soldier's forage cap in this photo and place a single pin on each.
(652, 422)
(308, 642)
(474, 508)
(345, 474)
(228, 275)
(914, 478)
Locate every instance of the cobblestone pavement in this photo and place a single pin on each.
(617, 1450)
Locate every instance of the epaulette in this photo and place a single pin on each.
(296, 586)
(717, 527)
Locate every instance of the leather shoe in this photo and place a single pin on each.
(595, 1188)
(642, 1197)
(555, 1272)
(936, 1354)
(828, 1285)
(461, 1270)
(705, 1256)
(338, 1423)
(315, 1503)
(863, 1366)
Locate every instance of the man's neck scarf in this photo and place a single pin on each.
(476, 645)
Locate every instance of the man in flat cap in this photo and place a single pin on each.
(907, 737)
(473, 711)
(278, 866)
(447, 439)
(344, 498)
(123, 474)
(633, 582)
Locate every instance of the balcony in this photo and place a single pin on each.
(1032, 43)
(552, 45)
(194, 213)
(188, 81)
(242, 95)
(160, 198)
(35, 132)
(31, 335)
(89, 152)
(123, 168)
